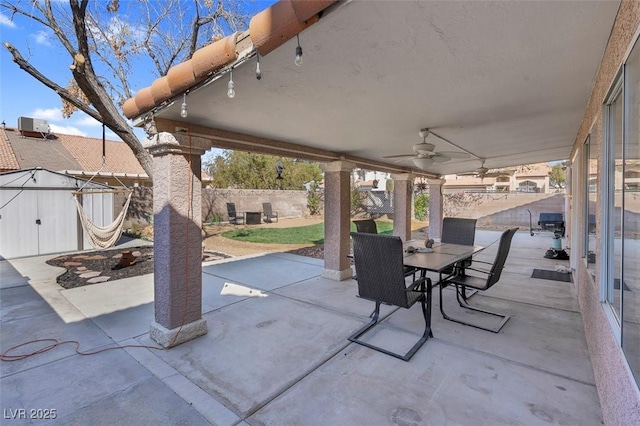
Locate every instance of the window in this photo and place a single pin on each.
(630, 277)
(612, 195)
(527, 186)
(590, 171)
(620, 271)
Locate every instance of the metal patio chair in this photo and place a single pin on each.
(234, 216)
(381, 279)
(462, 231)
(368, 226)
(268, 213)
(481, 280)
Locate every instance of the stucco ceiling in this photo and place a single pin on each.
(507, 81)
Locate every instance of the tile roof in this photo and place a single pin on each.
(31, 152)
(8, 160)
(268, 29)
(65, 152)
(88, 153)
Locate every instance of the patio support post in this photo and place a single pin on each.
(435, 208)
(337, 219)
(402, 190)
(177, 243)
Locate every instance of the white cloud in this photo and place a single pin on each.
(41, 37)
(67, 130)
(47, 114)
(6, 22)
(88, 121)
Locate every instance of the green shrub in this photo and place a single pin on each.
(314, 199)
(421, 206)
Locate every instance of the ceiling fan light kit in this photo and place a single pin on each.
(422, 162)
(424, 153)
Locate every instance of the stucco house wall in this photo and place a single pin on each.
(617, 389)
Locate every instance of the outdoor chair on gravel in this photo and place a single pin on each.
(481, 280)
(234, 217)
(381, 279)
(268, 213)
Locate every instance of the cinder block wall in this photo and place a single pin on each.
(498, 209)
(286, 203)
(214, 203)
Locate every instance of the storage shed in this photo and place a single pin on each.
(38, 213)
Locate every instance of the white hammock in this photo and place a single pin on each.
(102, 237)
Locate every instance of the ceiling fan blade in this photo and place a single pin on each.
(400, 156)
(440, 158)
(454, 154)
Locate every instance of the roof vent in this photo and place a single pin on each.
(33, 125)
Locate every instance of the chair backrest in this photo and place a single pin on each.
(501, 256)
(457, 230)
(367, 226)
(231, 209)
(266, 208)
(379, 265)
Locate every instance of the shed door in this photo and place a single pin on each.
(37, 222)
(18, 229)
(58, 228)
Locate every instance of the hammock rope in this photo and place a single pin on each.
(102, 237)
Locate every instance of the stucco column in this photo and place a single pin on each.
(402, 190)
(177, 245)
(436, 203)
(337, 219)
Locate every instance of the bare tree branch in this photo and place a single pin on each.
(115, 37)
(61, 91)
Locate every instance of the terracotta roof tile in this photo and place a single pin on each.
(8, 160)
(267, 30)
(88, 153)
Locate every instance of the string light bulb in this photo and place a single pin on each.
(298, 60)
(258, 72)
(183, 108)
(231, 87)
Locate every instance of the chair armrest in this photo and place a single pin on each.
(416, 283)
(482, 271)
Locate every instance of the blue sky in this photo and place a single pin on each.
(23, 96)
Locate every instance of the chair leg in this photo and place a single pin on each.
(426, 312)
(465, 296)
(464, 305)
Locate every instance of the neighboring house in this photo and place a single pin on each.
(370, 180)
(530, 178)
(76, 156)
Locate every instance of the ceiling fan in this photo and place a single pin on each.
(483, 172)
(424, 153)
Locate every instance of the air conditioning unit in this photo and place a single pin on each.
(26, 124)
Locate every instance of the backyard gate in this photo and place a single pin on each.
(38, 213)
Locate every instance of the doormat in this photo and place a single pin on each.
(545, 274)
(616, 285)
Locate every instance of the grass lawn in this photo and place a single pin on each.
(312, 234)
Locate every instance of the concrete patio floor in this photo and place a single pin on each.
(277, 351)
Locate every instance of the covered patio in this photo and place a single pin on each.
(492, 84)
(277, 351)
